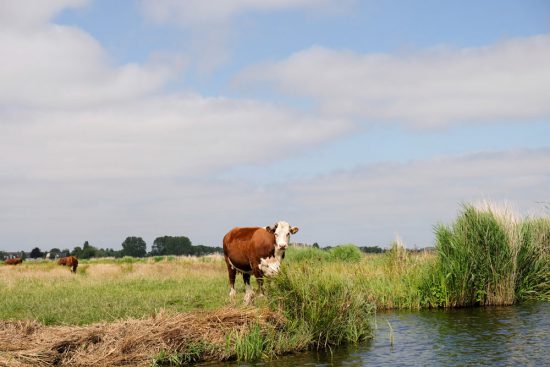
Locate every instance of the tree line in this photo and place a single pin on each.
(132, 246)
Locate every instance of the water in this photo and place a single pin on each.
(494, 336)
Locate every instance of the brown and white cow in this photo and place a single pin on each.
(70, 261)
(255, 250)
(14, 261)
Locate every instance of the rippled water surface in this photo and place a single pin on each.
(495, 336)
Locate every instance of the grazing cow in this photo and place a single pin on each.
(14, 261)
(69, 261)
(255, 250)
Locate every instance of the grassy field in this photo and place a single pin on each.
(109, 289)
(320, 298)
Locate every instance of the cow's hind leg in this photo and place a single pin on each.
(249, 294)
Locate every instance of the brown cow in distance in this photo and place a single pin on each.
(255, 250)
(69, 261)
(14, 261)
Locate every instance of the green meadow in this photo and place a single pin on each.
(320, 298)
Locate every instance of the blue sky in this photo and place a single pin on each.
(354, 120)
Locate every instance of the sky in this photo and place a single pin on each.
(356, 121)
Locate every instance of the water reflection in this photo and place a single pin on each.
(496, 336)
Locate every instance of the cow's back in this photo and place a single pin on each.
(244, 245)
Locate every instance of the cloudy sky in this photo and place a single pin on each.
(353, 120)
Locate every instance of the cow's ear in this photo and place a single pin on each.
(294, 230)
(271, 229)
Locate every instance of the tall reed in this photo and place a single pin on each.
(534, 260)
(488, 257)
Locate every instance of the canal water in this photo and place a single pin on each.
(492, 336)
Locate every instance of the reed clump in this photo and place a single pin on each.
(488, 257)
(328, 307)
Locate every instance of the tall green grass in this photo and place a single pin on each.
(328, 306)
(488, 257)
(534, 260)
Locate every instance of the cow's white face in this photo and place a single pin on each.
(269, 266)
(282, 231)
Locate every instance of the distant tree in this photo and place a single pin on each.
(201, 250)
(54, 252)
(88, 251)
(3, 255)
(36, 253)
(315, 245)
(168, 245)
(134, 246)
(76, 251)
(372, 249)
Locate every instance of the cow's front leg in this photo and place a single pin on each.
(249, 293)
(259, 278)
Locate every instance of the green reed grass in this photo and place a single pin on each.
(534, 260)
(488, 257)
(327, 305)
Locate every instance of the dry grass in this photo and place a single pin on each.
(131, 342)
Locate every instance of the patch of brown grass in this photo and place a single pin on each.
(132, 342)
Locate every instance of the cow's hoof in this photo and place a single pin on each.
(232, 293)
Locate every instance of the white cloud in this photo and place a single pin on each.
(370, 204)
(212, 23)
(507, 80)
(29, 13)
(67, 111)
(366, 206)
(59, 66)
(182, 135)
(65, 213)
(198, 13)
